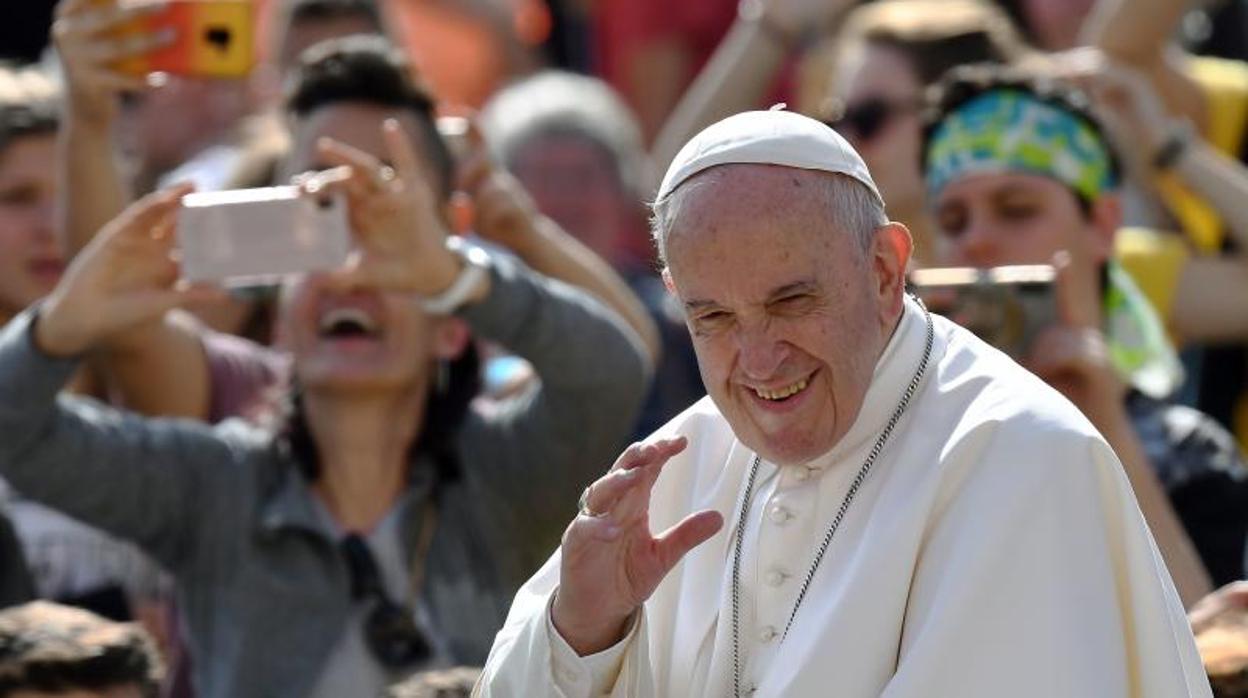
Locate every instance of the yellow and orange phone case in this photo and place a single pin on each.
(214, 38)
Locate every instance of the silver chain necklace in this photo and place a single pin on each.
(836, 521)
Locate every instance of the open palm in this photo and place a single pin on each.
(611, 561)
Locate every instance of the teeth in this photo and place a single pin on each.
(783, 392)
(353, 315)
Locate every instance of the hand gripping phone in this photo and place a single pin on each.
(212, 38)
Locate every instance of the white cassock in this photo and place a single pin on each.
(995, 549)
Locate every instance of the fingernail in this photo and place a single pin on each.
(611, 532)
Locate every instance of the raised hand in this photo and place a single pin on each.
(400, 237)
(125, 277)
(611, 561)
(1072, 354)
(503, 212)
(87, 43)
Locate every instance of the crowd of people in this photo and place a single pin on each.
(339, 483)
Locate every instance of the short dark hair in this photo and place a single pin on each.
(48, 647)
(318, 10)
(370, 69)
(963, 84)
(29, 104)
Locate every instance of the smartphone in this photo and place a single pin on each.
(213, 38)
(254, 237)
(1005, 306)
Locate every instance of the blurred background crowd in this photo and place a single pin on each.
(1116, 132)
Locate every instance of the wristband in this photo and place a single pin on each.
(476, 265)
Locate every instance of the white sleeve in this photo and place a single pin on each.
(1001, 602)
(592, 675)
(529, 658)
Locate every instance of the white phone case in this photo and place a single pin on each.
(249, 237)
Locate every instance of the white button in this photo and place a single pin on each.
(779, 515)
(801, 474)
(776, 577)
(767, 634)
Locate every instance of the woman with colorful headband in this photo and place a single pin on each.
(1018, 171)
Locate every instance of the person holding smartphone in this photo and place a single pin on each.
(382, 521)
(1019, 171)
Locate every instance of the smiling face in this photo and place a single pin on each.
(364, 339)
(788, 314)
(30, 261)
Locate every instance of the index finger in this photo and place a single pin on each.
(641, 455)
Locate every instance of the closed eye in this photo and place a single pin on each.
(710, 321)
(795, 303)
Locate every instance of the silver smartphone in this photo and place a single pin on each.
(1005, 306)
(254, 237)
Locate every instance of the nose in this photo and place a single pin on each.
(760, 354)
(977, 246)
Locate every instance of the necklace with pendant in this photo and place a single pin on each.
(836, 521)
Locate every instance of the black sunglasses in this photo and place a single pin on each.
(389, 628)
(864, 120)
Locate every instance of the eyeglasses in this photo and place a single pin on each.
(866, 119)
(389, 628)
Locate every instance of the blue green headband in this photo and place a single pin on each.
(1009, 130)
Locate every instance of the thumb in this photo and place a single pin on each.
(1075, 291)
(672, 545)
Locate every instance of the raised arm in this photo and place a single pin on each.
(1211, 299)
(157, 368)
(743, 66)
(141, 480)
(506, 214)
(1140, 33)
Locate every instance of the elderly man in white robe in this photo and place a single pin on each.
(870, 502)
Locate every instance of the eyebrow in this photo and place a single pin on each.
(797, 287)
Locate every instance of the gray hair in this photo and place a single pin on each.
(850, 203)
(559, 103)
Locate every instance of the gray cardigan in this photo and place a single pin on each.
(264, 590)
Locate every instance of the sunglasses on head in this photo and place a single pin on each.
(390, 630)
(866, 119)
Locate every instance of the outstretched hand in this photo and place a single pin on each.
(127, 276)
(611, 561)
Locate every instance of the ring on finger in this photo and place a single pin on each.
(385, 175)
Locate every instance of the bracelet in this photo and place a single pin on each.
(476, 266)
(753, 12)
(1172, 149)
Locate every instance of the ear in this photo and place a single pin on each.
(450, 338)
(1105, 218)
(890, 251)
